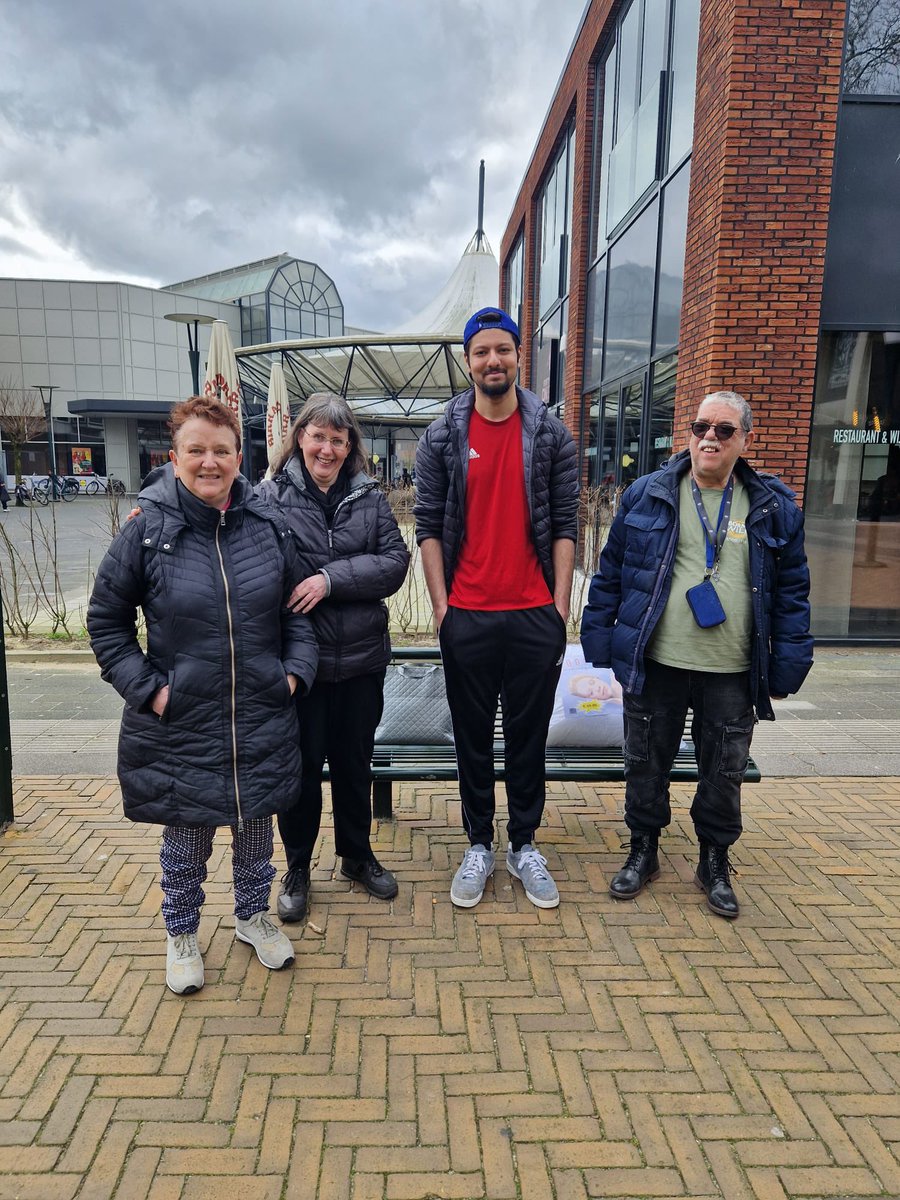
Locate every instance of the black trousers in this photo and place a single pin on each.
(515, 656)
(721, 728)
(338, 723)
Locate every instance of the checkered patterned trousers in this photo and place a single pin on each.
(183, 857)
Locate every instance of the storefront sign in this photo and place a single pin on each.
(882, 437)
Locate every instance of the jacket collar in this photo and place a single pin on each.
(531, 408)
(761, 489)
(360, 481)
(169, 509)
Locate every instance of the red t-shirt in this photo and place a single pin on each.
(498, 566)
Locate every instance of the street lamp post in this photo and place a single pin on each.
(51, 445)
(190, 319)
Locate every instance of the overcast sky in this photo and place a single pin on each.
(156, 141)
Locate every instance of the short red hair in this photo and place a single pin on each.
(205, 408)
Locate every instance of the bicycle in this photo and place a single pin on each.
(66, 489)
(96, 486)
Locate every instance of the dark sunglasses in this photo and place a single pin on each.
(723, 432)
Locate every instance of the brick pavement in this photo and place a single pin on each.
(601, 1049)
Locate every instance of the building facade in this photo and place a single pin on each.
(710, 205)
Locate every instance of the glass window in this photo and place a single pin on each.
(556, 207)
(593, 323)
(662, 412)
(872, 48)
(629, 314)
(606, 144)
(852, 503)
(671, 260)
(632, 420)
(515, 281)
(606, 442)
(685, 31)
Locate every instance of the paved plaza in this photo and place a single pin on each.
(416, 1050)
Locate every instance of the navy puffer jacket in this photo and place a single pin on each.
(212, 587)
(551, 479)
(631, 587)
(364, 560)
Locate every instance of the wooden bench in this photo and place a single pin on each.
(397, 764)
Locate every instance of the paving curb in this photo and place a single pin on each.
(50, 656)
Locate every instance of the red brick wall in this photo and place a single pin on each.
(764, 130)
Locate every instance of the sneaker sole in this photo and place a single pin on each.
(461, 902)
(631, 895)
(293, 918)
(271, 966)
(190, 990)
(534, 900)
(720, 912)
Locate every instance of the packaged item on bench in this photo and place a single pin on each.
(588, 707)
(416, 712)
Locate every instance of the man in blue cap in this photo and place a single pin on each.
(496, 512)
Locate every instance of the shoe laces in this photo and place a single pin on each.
(293, 878)
(719, 865)
(186, 946)
(534, 860)
(264, 925)
(474, 863)
(638, 847)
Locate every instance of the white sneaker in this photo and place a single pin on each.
(468, 883)
(184, 964)
(273, 948)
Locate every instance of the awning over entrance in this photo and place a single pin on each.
(387, 378)
(120, 408)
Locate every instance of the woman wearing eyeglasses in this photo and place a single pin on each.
(353, 557)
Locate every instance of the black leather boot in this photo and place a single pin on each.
(713, 877)
(641, 867)
(294, 897)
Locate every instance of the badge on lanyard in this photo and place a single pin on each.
(715, 538)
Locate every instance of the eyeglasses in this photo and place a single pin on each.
(320, 439)
(723, 432)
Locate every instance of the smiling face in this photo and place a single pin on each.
(493, 360)
(712, 461)
(324, 451)
(206, 460)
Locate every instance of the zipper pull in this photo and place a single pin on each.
(240, 824)
(222, 519)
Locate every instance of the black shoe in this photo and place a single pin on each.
(641, 867)
(293, 900)
(372, 875)
(712, 877)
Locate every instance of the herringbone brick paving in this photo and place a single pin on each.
(416, 1050)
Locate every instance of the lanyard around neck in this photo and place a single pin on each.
(715, 538)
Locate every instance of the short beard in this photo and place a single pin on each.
(494, 390)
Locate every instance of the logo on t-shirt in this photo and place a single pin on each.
(473, 453)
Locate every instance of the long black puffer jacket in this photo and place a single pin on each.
(212, 587)
(363, 558)
(551, 479)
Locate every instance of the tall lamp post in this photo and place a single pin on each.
(51, 445)
(190, 319)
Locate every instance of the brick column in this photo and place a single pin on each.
(767, 100)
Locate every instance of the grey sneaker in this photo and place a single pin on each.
(531, 867)
(273, 948)
(184, 964)
(468, 883)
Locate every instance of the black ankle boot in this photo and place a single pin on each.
(293, 899)
(713, 877)
(641, 867)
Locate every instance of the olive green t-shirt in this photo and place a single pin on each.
(678, 641)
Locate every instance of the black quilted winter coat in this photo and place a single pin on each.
(212, 587)
(364, 560)
(551, 479)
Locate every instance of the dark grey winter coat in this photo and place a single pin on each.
(363, 558)
(212, 587)
(551, 479)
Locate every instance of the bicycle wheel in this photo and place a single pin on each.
(91, 488)
(41, 493)
(69, 490)
(116, 486)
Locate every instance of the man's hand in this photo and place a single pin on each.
(160, 700)
(307, 594)
(562, 607)
(773, 697)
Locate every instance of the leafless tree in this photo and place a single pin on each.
(872, 55)
(21, 419)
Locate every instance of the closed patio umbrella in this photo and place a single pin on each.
(222, 379)
(278, 415)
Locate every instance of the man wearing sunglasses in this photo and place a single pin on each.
(496, 500)
(701, 601)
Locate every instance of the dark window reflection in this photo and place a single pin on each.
(596, 304)
(872, 48)
(633, 406)
(662, 412)
(671, 260)
(632, 265)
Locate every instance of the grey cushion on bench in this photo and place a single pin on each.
(416, 712)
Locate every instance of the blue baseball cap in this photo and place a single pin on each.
(489, 318)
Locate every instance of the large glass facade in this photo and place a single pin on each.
(300, 301)
(644, 129)
(515, 281)
(548, 347)
(852, 502)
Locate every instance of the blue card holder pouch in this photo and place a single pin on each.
(705, 604)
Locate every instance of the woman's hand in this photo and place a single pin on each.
(307, 594)
(160, 700)
(292, 683)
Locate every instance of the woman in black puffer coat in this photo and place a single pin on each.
(352, 557)
(209, 731)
